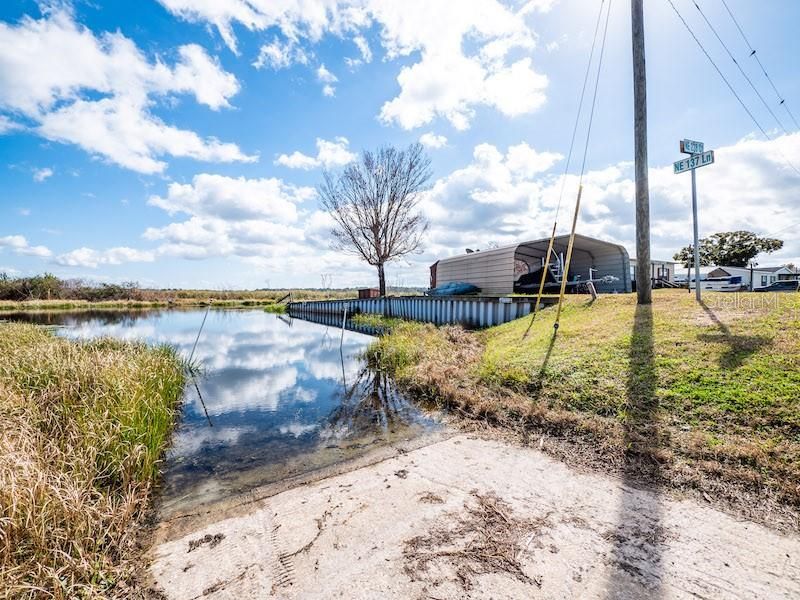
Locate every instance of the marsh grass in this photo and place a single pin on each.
(186, 299)
(722, 383)
(82, 429)
(377, 321)
(277, 309)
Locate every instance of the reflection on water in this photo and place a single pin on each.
(279, 397)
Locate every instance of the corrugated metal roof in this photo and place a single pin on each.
(582, 243)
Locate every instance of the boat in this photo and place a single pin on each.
(720, 284)
(454, 288)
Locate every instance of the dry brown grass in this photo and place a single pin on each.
(82, 427)
(486, 537)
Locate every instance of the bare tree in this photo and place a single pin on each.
(373, 202)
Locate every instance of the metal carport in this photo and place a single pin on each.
(494, 270)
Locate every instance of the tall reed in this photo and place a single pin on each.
(82, 429)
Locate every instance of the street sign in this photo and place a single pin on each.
(692, 147)
(698, 159)
(694, 162)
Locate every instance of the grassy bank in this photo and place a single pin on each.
(54, 305)
(71, 293)
(693, 396)
(83, 426)
(277, 309)
(376, 321)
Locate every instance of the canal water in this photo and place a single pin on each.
(278, 397)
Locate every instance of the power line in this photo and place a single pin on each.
(580, 106)
(718, 70)
(594, 97)
(728, 83)
(550, 249)
(781, 100)
(738, 66)
(782, 230)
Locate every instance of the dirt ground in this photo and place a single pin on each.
(466, 517)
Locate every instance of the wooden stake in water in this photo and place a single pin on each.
(191, 370)
(199, 331)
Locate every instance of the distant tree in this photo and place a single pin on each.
(729, 248)
(373, 202)
(686, 256)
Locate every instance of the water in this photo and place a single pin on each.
(278, 397)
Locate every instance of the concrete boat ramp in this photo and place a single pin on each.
(465, 517)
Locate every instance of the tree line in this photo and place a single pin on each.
(729, 249)
(50, 287)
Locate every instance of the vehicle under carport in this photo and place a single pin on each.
(518, 268)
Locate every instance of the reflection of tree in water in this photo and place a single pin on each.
(371, 405)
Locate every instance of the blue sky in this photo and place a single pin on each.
(178, 143)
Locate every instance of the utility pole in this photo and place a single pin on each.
(643, 283)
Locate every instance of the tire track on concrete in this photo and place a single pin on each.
(281, 563)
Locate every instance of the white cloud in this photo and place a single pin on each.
(523, 161)
(297, 160)
(538, 6)
(19, 244)
(280, 55)
(98, 91)
(13, 241)
(40, 175)
(328, 79)
(432, 140)
(234, 198)
(330, 154)
(499, 197)
(326, 76)
(511, 196)
(265, 223)
(242, 217)
(7, 125)
(87, 257)
(363, 47)
(121, 131)
(446, 81)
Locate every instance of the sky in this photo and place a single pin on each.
(179, 143)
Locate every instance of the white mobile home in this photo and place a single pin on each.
(759, 276)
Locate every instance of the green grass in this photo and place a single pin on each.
(277, 309)
(719, 367)
(713, 389)
(84, 426)
(376, 321)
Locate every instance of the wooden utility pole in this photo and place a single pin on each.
(643, 282)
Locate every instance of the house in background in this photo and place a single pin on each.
(662, 272)
(785, 273)
(759, 277)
